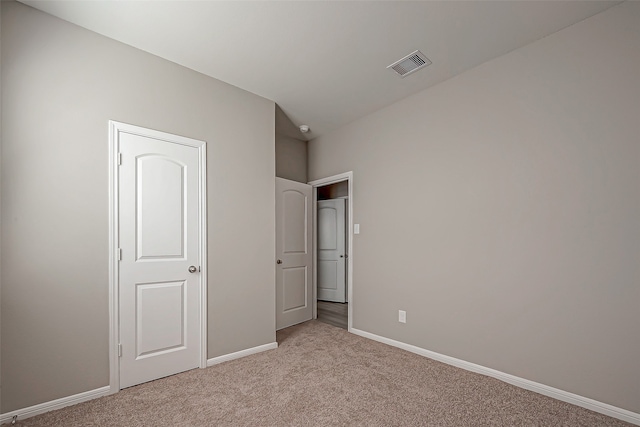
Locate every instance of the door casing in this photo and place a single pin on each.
(115, 128)
(347, 176)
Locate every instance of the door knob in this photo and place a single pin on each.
(193, 269)
(279, 261)
(341, 256)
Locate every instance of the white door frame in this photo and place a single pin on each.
(347, 176)
(115, 128)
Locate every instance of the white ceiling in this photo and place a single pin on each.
(324, 62)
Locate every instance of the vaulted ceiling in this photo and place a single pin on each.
(324, 62)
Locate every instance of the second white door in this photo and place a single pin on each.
(294, 299)
(331, 251)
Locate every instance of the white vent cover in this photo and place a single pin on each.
(410, 63)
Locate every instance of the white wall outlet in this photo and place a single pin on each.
(402, 316)
(356, 228)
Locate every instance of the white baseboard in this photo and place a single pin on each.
(103, 391)
(55, 404)
(555, 393)
(242, 353)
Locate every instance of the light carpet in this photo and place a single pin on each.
(324, 376)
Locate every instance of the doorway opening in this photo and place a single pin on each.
(333, 250)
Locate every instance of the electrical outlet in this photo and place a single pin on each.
(402, 316)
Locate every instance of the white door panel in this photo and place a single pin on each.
(160, 321)
(331, 250)
(294, 221)
(159, 235)
(294, 288)
(293, 251)
(158, 172)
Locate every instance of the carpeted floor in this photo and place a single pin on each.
(323, 376)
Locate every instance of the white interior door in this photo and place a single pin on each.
(159, 283)
(331, 251)
(293, 252)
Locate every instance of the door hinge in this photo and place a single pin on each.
(119, 159)
(119, 254)
(119, 350)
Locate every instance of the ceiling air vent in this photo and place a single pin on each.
(410, 63)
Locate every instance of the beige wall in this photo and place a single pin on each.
(291, 149)
(509, 228)
(60, 86)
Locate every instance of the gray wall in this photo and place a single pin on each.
(509, 228)
(60, 86)
(291, 149)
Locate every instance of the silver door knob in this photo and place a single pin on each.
(193, 269)
(279, 261)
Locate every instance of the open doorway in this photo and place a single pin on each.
(332, 256)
